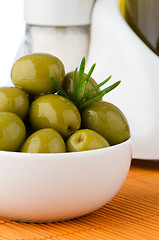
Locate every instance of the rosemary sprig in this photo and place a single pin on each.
(82, 97)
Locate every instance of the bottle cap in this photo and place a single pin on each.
(58, 12)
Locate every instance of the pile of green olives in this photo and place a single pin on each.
(36, 118)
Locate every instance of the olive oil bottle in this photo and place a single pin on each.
(143, 18)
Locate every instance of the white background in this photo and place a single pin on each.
(12, 29)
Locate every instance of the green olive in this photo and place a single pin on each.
(12, 131)
(107, 120)
(57, 112)
(85, 139)
(32, 73)
(14, 100)
(67, 85)
(45, 140)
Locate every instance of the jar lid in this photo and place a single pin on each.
(58, 12)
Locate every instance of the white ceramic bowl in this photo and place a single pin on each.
(53, 187)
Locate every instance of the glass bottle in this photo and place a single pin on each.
(143, 17)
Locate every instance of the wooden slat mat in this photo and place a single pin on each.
(132, 215)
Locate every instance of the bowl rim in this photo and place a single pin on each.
(87, 152)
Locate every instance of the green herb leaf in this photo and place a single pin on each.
(81, 72)
(81, 91)
(96, 87)
(98, 96)
(74, 82)
(59, 88)
(88, 76)
(90, 72)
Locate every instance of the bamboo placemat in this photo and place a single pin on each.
(132, 215)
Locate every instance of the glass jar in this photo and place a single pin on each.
(61, 28)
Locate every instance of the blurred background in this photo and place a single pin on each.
(12, 31)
